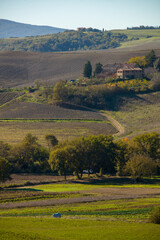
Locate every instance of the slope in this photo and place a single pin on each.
(19, 69)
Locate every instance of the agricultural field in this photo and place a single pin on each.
(14, 131)
(112, 208)
(29, 110)
(6, 97)
(19, 118)
(138, 114)
(18, 69)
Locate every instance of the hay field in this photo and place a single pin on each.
(19, 69)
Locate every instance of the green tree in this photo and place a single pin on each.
(4, 170)
(59, 160)
(140, 165)
(98, 68)
(87, 72)
(147, 143)
(4, 149)
(150, 58)
(51, 140)
(60, 91)
(28, 155)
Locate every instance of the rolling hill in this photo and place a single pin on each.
(18, 69)
(9, 29)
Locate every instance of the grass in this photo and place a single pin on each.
(139, 114)
(110, 219)
(139, 33)
(46, 228)
(79, 187)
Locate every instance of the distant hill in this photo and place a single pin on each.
(85, 39)
(10, 29)
(71, 40)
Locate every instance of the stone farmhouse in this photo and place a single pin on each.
(129, 72)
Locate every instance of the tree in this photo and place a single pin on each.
(156, 81)
(147, 143)
(98, 68)
(4, 170)
(51, 140)
(60, 91)
(156, 64)
(4, 149)
(140, 61)
(140, 165)
(87, 72)
(59, 160)
(29, 156)
(150, 58)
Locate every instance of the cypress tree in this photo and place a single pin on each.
(87, 72)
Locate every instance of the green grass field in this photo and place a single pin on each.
(115, 219)
(47, 228)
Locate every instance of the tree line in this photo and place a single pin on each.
(138, 157)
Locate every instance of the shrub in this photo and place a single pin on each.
(155, 216)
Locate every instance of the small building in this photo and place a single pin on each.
(129, 73)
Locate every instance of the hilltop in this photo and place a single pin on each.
(9, 29)
(84, 39)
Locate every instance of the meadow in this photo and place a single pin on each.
(124, 214)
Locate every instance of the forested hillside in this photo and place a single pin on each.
(82, 39)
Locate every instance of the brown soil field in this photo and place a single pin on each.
(28, 110)
(14, 132)
(19, 69)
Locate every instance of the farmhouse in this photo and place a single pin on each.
(129, 72)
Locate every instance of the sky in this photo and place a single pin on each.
(71, 14)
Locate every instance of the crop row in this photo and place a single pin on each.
(6, 97)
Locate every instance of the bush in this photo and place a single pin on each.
(155, 216)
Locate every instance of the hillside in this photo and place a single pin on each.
(10, 29)
(139, 113)
(19, 69)
(140, 39)
(86, 39)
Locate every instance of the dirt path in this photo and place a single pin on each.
(116, 124)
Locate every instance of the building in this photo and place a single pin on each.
(129, 72)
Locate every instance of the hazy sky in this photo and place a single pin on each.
(70, 14)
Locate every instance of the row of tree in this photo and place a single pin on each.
(138, 157)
